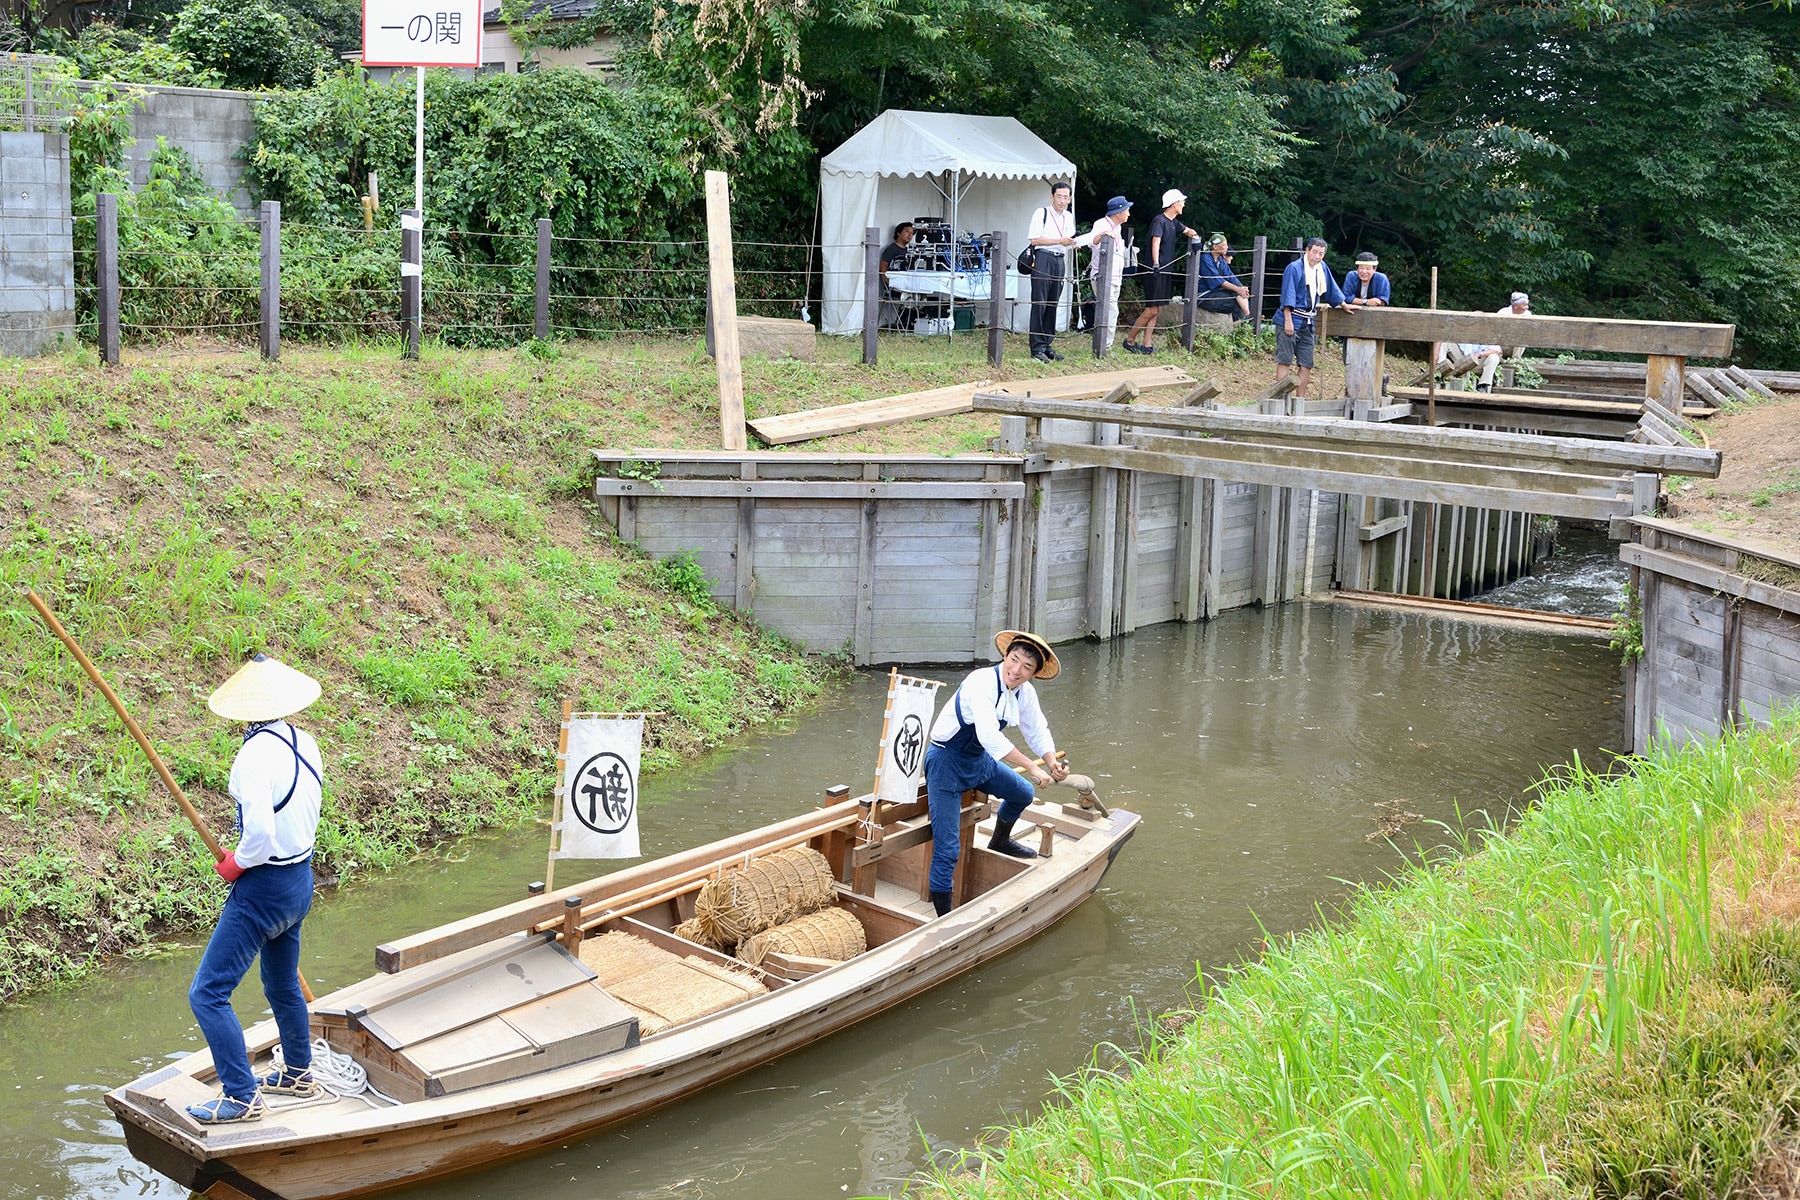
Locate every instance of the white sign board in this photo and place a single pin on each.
(597, 814)
(911, 705)
(422, 33)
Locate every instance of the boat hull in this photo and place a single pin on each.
(400, 1147)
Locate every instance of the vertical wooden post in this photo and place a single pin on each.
(1665, 380)
(269, 326)
(1431, 367)
(711, 351)
(1645, 487)
(1259, 260)
(1103, 527)
(871, 295)
(540, 325)
(571, 930)
(1191, 317)
(724, 293)
(745, 598)
(106, 271)
(1106, 302)
(412, 278)
(559, 803)
(998, 309)
(29, 112)
(1364, 361)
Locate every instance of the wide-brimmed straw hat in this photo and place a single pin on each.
(1003, 641)
(263, 690)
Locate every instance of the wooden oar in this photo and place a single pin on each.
(131, 726)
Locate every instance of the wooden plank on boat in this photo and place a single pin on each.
(378, 990)
(796, 966)
(881, 922)
(539, 970)
(948, 401)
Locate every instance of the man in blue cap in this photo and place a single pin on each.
(1106, 291)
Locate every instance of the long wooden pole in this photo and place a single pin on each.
(1432, 370)
(559, 804)
(131, 726)
(724, 316)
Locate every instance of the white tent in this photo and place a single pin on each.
(978, 173)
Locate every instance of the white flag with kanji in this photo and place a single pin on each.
(901, 766)
(597, 816)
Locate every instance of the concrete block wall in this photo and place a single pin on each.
(37, 258)
(212, 126)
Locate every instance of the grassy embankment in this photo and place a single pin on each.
(1602, 1001)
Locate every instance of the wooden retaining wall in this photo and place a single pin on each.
(890, 558)
(1721, 632)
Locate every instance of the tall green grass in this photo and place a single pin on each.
(1561, 1010)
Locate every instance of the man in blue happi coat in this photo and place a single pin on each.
(1365, 286)
(1306, 285)
(1221, 290)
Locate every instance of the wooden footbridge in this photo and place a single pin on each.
(1107, 513)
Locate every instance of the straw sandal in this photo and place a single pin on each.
(290, 1083)
(227, 1110)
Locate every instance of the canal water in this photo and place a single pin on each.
(1261, 749)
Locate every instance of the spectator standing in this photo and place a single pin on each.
(1118, 211)
(1221, 291)
(1052, 233)
(1306, 284)
(1166, 234)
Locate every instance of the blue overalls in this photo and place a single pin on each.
(262, 916)
(954, 767)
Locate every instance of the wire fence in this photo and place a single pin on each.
(150, 277)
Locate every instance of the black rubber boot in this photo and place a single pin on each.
(941, 902)
(1002, 841)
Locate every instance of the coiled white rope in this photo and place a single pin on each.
(338, 1075)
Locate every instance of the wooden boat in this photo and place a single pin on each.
(498, 1041)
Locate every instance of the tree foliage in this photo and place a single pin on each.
(251, 44)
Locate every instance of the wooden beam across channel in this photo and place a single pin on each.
(1466, 445)
(1605, 334)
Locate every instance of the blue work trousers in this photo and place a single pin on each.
(947, 776)
(262, 916)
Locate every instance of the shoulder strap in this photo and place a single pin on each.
(293, 744)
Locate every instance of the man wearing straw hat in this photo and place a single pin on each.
(276, 780)
(969, 751)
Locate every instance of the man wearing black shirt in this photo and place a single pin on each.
(1159, 273)
(894, 257)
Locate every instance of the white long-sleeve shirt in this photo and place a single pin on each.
(265, 774)
(1104, 228)
(984, 702)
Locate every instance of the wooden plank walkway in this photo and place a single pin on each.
(948, 401)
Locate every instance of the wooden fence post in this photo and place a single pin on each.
(1259, 267)
(1192, 316)
(871, 295)
(725, 326)
(711, 351)
(269, 327)
(412, 277)
(106, 275)
(540, 326)
(998, 309)
(1106, 303)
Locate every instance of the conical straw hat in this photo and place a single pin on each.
(1052, 667)
(263, 690)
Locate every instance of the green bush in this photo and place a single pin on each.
(251, 44)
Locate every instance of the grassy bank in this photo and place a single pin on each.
(1604, 1001)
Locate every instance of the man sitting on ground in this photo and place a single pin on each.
(1221, 291)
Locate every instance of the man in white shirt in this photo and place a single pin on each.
(1106, 291)
(969, 751)
(1052, 234)
(1490, 356)
(277, 782)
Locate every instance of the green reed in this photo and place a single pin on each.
(1476, 1026)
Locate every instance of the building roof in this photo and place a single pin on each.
(555, 10)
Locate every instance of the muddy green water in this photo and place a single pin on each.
(1256, 747)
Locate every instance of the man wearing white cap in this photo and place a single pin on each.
(1159, 282)
(276, 780)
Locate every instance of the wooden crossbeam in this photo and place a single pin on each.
(1347, 483)
(1500, 449)
(1358, 483)
(1680, 340)
(1500, 398)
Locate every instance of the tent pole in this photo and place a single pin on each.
(955, 257)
